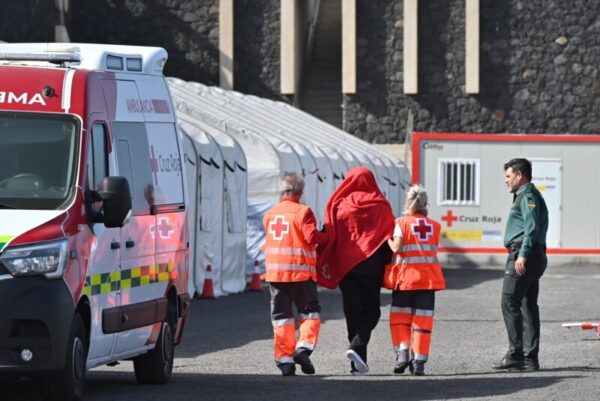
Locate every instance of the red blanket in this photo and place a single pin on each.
(359, 219)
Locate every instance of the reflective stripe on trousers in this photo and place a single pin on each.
(411, 323)
(284, 333)
(283, 296)
(403, 325)
(411, 311)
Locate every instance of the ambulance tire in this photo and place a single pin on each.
(69, 385)
(156, 366)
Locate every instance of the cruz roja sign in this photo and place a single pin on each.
(473, 228)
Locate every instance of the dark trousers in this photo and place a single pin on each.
(520, 304)
(361, 289)
(284, 295)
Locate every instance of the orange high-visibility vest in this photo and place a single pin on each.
(416, 264)
(288, 257)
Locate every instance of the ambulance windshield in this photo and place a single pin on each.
(38, 155)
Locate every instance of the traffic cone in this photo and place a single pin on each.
(255, 283)
(207, 290)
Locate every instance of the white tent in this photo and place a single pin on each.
(307, 155)
(235, 208)
(276, 138)
(204, 173)
(393, 177)
(231, 276)
(267, 158)
(300, 125)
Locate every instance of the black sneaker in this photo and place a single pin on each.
(401, 367)
(302, 359)
(531, 364)
(509, 364)
(287, 369)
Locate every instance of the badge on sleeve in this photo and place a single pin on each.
(531, 204)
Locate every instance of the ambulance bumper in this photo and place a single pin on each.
(35, 315)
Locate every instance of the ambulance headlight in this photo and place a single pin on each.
(48, 259)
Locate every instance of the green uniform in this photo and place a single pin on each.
(528, 219)
(525, 237)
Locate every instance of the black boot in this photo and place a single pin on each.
(302, 359)
(400, 367)
(287, 369)
(531, 364)
(417, 368)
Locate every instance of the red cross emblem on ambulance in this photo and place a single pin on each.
(165, 229)
(422, 229)
(279, 227)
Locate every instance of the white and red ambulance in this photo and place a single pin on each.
(93, 231)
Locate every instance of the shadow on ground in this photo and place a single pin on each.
(250, 313)
(459, 278)
(107, 385)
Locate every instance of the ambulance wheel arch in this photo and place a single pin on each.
(69, 384)
(156, 366)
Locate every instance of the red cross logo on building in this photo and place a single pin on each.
(278, 227)
(449, 218)
(422, 229)
(154, 165)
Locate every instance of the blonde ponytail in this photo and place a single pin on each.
(416, 201)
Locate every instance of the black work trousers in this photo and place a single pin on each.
(520, 303)
(361, 289)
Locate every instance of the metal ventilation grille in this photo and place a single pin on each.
(458, 182)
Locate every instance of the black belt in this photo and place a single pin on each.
(515, 246)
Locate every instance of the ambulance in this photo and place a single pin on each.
(93, 231)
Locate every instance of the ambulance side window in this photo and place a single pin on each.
(124, 157)
(99, 155)
(135, 164)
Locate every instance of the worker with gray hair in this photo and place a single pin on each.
(414, 275)
(290, 261)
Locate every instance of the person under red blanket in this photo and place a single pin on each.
(360, 221)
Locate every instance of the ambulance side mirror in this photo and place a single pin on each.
(116, 200)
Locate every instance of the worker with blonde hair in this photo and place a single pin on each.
(414, 275)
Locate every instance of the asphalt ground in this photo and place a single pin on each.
(227, 351)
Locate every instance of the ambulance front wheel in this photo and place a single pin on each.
(156, 366)
(69, 385)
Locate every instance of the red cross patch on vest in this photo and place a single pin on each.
(278, 227)
(422, 229)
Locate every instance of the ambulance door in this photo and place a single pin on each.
(169, 206)
(138, 265)
(103, 263)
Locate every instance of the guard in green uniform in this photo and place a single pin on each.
(525, 239)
